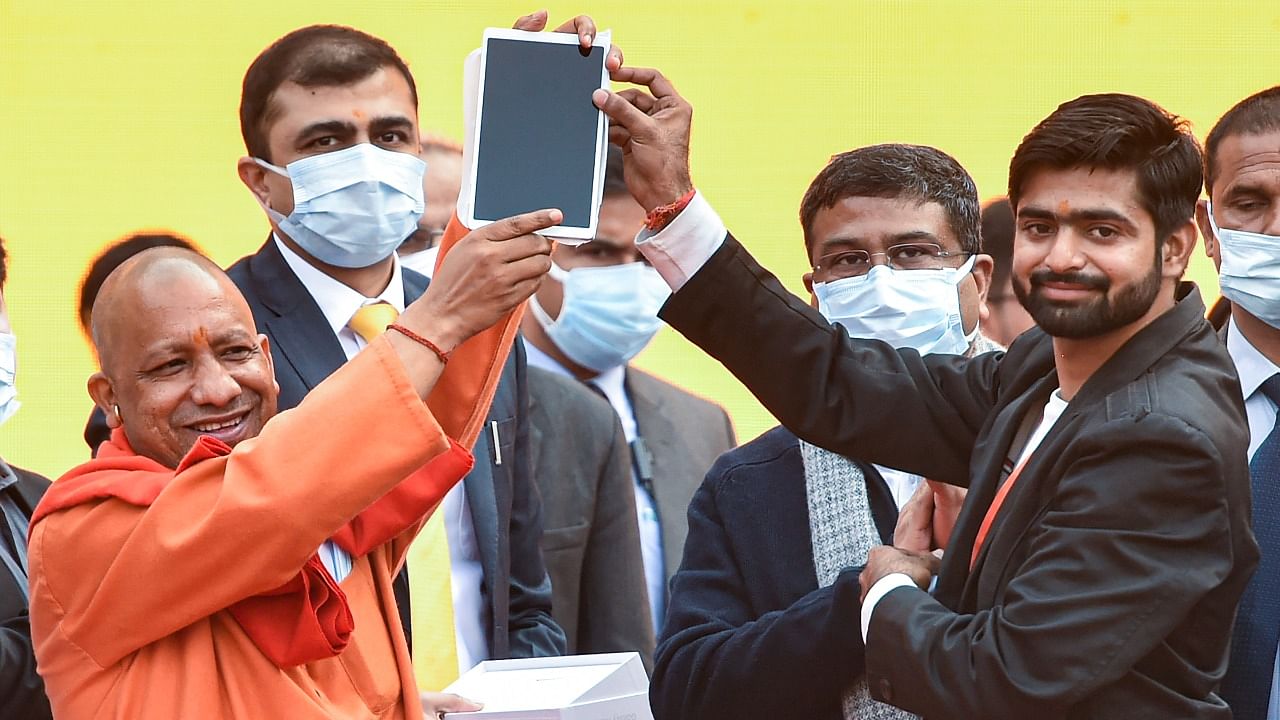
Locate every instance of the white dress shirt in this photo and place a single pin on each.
(1254, 368)
(339, 303)
(612, 383)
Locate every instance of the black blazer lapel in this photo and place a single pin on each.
(956, 584)
(300, 334)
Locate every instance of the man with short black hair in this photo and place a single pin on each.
(330, 121)
(779, 528)
(21, 689)
(590, 538)
(1104, 543)
(1241, 227)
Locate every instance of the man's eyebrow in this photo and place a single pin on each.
(326, 127)
(838, 243)
(1077, 216)
(384, 122)
(1246, 188)
(914, 236)
(606, 242)
(1035, 213)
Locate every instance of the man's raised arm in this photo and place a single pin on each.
(856, 397)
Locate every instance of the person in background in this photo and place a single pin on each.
(21, 689)
(441, 184)
(1240, 224)
(96, 430)
(780, 528)
(1008, 318)
(1104, 543)
(590, 533)
(597, 311)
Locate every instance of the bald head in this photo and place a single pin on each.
(157, 275)
(180, 355)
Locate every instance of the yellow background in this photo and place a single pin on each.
(116, 116)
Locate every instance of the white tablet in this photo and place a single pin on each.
(539, 142)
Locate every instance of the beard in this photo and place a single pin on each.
(1106, 313)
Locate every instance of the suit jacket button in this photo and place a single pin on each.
(886, 690)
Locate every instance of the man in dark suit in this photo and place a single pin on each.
(590, 539)
(596, 312)
(326, 109)
(780, 528)
(581, 462)
(1095, 568)
(1241, 228)
(21, 690)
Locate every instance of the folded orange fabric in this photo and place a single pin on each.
(307, 618)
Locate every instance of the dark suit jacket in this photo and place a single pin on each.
(685, 434)
(503, 501)
(1108, 585)
(748, 631)
(590, 537)
(21, 690)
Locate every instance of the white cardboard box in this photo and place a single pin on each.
(610, 686)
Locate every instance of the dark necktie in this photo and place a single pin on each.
(1247, 685)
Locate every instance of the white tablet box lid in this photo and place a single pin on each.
(608, 686)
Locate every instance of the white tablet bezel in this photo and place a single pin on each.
(569, 232)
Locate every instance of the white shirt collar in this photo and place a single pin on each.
(1253, 367)
(339, 302)
(611, 381)
(535, 357)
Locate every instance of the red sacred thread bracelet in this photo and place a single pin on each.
(663, 214)
(444, 356)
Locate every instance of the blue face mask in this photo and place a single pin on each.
(8, 370)
(608, 315)
(1250, 273)
(906, 308)
(352, 208)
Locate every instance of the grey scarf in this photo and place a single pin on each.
(843, 533)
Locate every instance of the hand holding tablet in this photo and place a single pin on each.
(539, 141)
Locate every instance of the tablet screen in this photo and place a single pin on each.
(538, 130)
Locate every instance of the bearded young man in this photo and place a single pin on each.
(1095, 568)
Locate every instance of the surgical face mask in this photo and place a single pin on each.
(8, 369)
(608, 315)
(352, 208)
(906, 308)
(1250, 273)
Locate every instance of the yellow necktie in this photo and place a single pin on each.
(435, 653)
(370, 321)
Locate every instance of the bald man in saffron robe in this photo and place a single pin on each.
(187, 571)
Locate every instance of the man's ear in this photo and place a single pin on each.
(265, 344)
(104, 396)
(807, 279)
(983, 266)
(1206, 232)
(254, 177)
(1177, 249)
